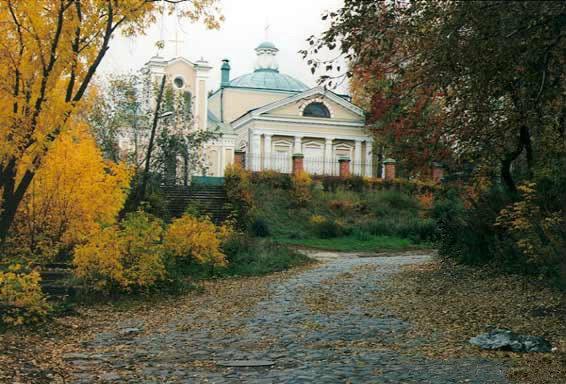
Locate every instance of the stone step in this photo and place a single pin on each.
(55, 275)
(54, 291)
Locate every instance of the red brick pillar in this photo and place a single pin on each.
(389, 169)
(437, 172)
(298, 163)
(240, 158)
(344, 166)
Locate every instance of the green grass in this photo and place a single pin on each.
(353, 244)
(264, 257)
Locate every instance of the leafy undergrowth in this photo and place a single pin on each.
(353, 244)
(447, 304)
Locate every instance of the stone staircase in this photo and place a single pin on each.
(210, 199)
(56, 281)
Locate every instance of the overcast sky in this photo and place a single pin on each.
(291, 22)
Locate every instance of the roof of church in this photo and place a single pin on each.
(269, 79)
(267, 45)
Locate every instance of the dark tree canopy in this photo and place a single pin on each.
(477, 81)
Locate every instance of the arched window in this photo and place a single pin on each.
(316, 109)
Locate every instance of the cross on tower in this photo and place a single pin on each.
(267, 27)
(176, 41)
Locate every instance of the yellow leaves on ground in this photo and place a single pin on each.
(446, 304)
(72, 195)
(21, 299)
(197, 239)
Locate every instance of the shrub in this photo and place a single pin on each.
(249, 257)
(21, 298)
(342, 207)
(468, 235)
(331, 183)
(125, 257)
(329, 229)
(273, 179)
(260, 228)
(301, 192)
(539, 235)
(355, 183)
(238, 192)
(386, 203)
(194, 239)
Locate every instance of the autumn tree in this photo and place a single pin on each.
(74, 193)
(493, 70)
(50, 51)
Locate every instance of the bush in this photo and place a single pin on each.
(123, 258)
(301, 191)
(193, 239)
(238, 192)
(21, 298)
(387, 203)
(273, 179)
(249, 257)
(260, 228)
(329, 229)
(468, 235)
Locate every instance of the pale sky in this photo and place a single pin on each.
(291, 22)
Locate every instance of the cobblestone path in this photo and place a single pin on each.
(318, 326)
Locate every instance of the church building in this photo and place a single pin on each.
(266, 117)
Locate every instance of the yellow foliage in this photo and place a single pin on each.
(317, 219)
(302, 183)
(238, 191)
(538, 235)
(196, 239)
(72, 195)
(51, 50)
(21, 299)
(123, 257)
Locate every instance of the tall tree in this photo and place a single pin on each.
(494, 70)
(49, 53)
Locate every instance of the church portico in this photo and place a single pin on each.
(273, 149)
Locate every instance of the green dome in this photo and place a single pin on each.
(269, 79)
(266, 45)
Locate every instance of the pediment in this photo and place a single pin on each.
(294, 106)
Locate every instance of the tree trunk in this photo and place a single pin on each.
(145, 177)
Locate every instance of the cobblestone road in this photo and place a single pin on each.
(318, 326)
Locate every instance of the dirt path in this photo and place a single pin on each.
(318, 325)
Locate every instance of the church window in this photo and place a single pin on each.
(179, 82)
(316, 109)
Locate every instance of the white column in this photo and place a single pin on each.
(357, 158)
(328, 156)
(267, 151)
(255, 152)
(200, 109)
(369, 152)
(298, 148)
